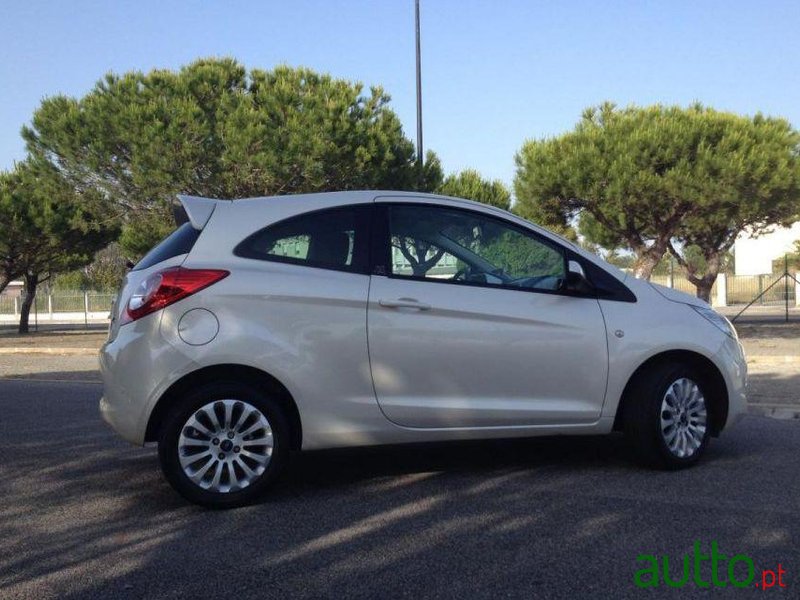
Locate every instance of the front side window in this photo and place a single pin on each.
(463, 246)
(329, 239)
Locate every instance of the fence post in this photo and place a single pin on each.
(16, 306)
(86, 309)
(797, 289)
(722, 290)
(50, 305)
(671, 277)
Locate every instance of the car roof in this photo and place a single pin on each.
(199, 208)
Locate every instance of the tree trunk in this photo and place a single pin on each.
(31, 281)
(646, 261)
(704, 285)
(705, 282)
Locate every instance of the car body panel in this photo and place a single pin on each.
(307, 327)
(483, 357)
(655, 325)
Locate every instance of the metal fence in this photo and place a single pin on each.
(728, 291)
(740, 289)
(62, 306)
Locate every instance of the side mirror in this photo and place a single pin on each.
(576, 281)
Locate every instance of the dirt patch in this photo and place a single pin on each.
(770, 339)
(48, 339)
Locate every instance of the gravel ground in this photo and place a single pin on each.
(773, 352)
(54, 339)
(49, 367)
(779, 339)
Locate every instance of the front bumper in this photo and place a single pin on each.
(733, 364)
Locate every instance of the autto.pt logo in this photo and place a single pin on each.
(706, 569)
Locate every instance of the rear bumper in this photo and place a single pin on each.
(136, 366)
(117, 408)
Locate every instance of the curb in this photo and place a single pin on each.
(53, 351)
(775, 411)
(767, 358)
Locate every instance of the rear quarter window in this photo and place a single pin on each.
(180, 241)
(335, 238)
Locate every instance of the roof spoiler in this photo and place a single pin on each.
(197, 210)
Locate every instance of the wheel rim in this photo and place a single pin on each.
(683, 417)
(225, 446)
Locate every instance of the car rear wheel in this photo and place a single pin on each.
(223, 445)
(667, 416)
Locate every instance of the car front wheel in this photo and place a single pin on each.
(667, 417)
(223, 445)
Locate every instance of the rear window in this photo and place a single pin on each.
(176, 243)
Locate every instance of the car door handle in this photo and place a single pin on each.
(404, 303)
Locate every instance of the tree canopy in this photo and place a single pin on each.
(663, 178)
(48, 227)
(215, 129)
(470, 185)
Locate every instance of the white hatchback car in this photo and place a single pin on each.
(269, 325)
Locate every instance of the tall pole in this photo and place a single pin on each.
(419, 95)
(786, 283)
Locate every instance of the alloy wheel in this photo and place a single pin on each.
(225, 445)
(683, 417)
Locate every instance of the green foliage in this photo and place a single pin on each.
(470, 185)
(642, 178)
(71, 280)
(790, 261)
(520, 255)
(48, 227)
(142, 231)
(215, 129)
(432, 175)
(105, 273)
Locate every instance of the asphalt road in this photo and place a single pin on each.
(82, 514)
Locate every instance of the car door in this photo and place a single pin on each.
(467, 326)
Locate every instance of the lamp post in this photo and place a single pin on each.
(419, 95)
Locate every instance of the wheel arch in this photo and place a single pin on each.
(715, 383)
(227, 372)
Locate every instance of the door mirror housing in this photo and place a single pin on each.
(576, 281)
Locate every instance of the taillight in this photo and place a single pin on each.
(167, 287)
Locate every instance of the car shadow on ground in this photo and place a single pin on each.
(86, 515)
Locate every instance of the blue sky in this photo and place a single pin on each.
(494, 72)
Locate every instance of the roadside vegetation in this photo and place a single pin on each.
(635, 184)
(664, 179)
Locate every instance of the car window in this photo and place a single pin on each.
(467, 247)
(180, 241)
(331, 239)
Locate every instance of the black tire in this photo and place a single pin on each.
(176, 420)
(642, 415)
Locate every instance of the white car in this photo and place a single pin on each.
(270, 325)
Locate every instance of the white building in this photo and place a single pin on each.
(13, 289)
(754, 255)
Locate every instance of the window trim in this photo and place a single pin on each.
(381, 245)
(362, 252)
